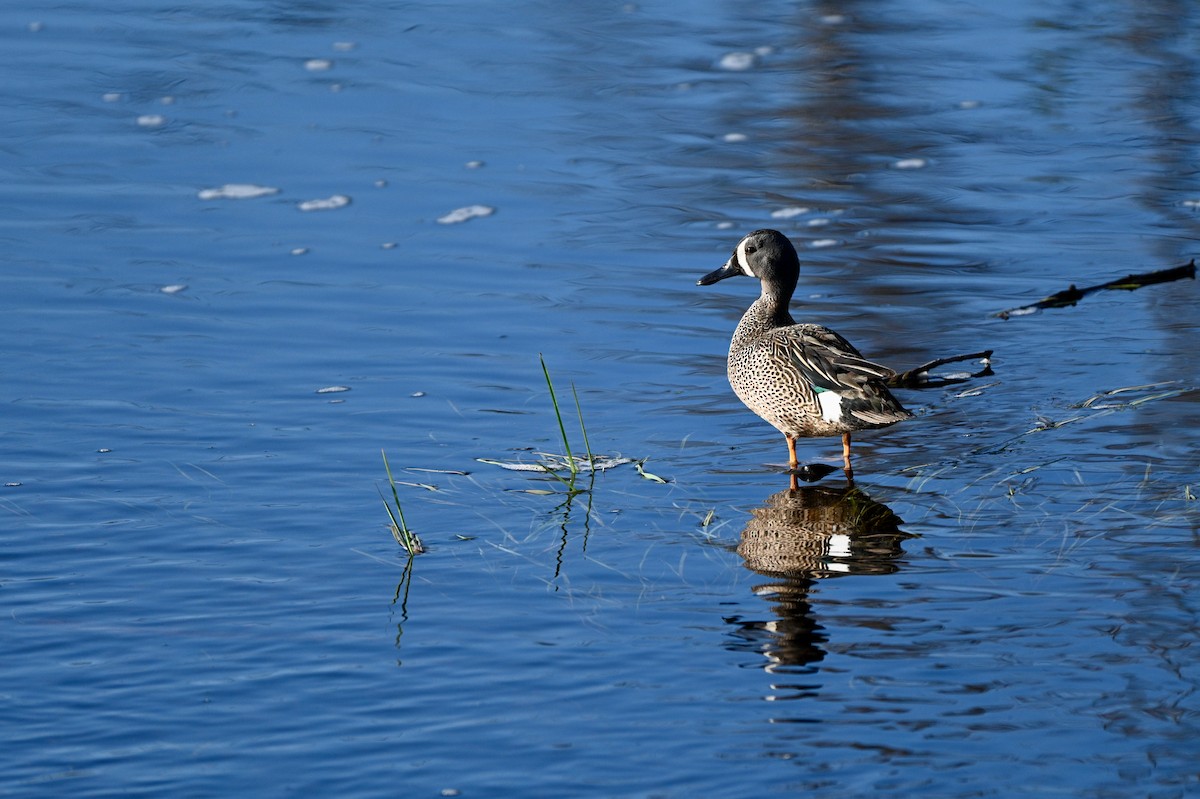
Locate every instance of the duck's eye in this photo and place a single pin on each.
(751, 248)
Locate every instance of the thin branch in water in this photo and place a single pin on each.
(1071, 295)
(919, 377)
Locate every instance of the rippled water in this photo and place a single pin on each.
(211, 214)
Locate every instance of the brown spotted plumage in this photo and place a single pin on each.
(805, 380)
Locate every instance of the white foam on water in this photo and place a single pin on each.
(463, 214)
(325, 204)
(737, 62)
(789, 212)
(237, 191)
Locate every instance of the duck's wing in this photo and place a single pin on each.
(828, 362)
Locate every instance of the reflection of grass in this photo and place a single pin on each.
(401, 598)
(404, 536)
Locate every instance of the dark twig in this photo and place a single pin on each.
(920, 377)
(1072, 295)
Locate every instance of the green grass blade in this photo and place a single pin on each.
(395, 523)
(561, 427)
(567, 482)
(395, 496)
(404, 536)
(582, 429)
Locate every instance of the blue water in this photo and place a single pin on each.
(199, 592)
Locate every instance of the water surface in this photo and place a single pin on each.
(200, 594)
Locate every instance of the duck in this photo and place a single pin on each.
(804, 380)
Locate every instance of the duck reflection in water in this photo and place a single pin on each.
(800, 536)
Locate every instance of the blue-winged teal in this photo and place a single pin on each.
(805, 380)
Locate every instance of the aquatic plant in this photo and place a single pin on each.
(400, 530)
(555, 465)
(572, 464)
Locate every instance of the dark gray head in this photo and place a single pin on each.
(766, 255)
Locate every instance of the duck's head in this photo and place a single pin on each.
(764, 254)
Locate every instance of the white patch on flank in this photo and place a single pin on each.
(839, 545)
(741, 259)
(831, 406)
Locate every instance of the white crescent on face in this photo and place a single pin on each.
(742, 260)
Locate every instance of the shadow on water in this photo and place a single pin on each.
(796, 538)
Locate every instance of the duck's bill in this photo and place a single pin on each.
(730, 269)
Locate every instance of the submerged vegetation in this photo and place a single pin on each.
(564, 468)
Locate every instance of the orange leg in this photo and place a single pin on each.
(846, 453)
(792, 461)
